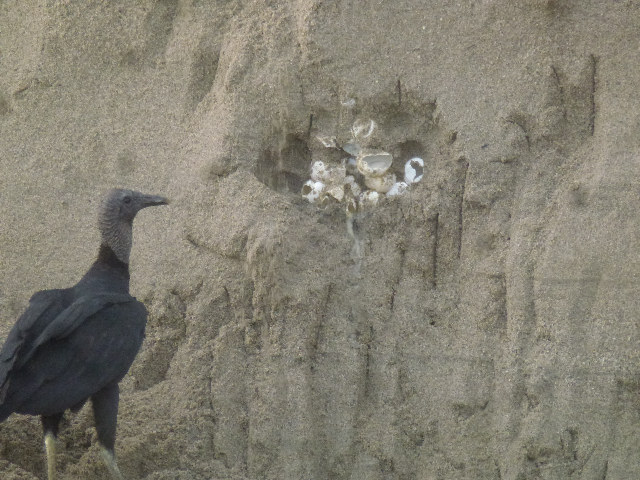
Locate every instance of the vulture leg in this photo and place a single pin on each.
(105, 413)
(50, 426)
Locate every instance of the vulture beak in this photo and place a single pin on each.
(152, 201)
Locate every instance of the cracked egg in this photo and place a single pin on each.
(374, 163)
(313, 191)
(413, 170)
(381, 184)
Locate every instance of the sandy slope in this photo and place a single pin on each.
(482, 326)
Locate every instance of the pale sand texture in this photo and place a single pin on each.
(483, 326)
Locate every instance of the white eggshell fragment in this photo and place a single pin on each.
(381, 184)
(398, 188)
(350, 103)
(363, 129)
(352, 148)
(413, 170)
(373, 163)
(313, 191)
(335, 175)
(318, 171)
(369, 198)
(336, 191)
(327, 141)
(351, 186)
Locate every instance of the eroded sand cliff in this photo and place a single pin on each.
(482, 326)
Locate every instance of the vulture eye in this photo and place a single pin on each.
(126, 200)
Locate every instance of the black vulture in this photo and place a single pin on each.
(77, 343)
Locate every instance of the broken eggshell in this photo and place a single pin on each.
(413, 170)
(380, 184)
(361, 133)
(335, 175)
(351, 186)
(336, 191)
(369, 198)
(373, 163)
(313, 191)
(352, 148)
(318, 171)
(332, 180)
(398, 188)
(328, 175)
(350, 103)
(363, 129)
(327, 141)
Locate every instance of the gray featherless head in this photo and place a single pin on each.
(115, 218)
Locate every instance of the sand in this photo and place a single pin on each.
(482, 326)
